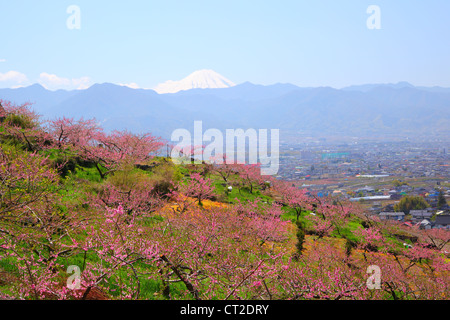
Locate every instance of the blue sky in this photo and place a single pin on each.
(307, 43)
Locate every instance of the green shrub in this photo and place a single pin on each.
(19, 120)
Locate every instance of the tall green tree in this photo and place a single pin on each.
(441, 200)
(409, 203)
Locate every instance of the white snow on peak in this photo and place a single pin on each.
(203, 79)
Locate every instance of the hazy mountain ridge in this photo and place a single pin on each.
(372, 111)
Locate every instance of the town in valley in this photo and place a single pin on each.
(377, 174)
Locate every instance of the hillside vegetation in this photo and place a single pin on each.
(78, 201)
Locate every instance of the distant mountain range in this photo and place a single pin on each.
(365, 111)
(399, 85)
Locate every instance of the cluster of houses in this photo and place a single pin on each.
(425, 219)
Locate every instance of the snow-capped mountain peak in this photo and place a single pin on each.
(202, 79)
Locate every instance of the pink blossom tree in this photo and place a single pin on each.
(139, 199)
(119, 244)
(295, 198)
(21, 124)
(250, 175)
(197, 187)
(69, 132)
(34, 232)
(107, 151)
(228, 253)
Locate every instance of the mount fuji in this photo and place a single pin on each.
(201, 79)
